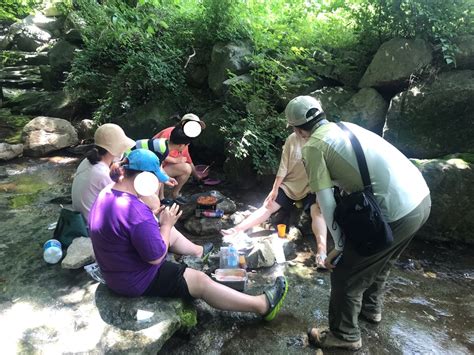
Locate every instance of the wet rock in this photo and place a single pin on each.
(203, 226)
(261, 255)
(79, 253)
(10, 151)
(46, 134)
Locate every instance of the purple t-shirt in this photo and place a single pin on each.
(125, 236)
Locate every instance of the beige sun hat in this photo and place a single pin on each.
(112, 138)
(192, 117)
(297, 111)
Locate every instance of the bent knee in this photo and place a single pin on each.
(197, 282)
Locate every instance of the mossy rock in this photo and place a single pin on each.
(11, 126)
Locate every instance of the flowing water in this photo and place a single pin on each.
(429, 304)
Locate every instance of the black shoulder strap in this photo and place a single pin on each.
(364, 170)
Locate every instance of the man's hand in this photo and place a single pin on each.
(333, 254)
(320, 259)
(170, 215)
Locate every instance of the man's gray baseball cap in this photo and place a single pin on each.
(300, 110)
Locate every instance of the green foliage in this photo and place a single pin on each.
(16, 9)
(130, 55)
(258, 139)
(136, 50)
(437, 21)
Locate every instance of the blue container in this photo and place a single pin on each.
(52, 251)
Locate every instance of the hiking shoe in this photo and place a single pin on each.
(206, 251)
(325, 339)
(181, 200)
(371, 317)
(275, 296)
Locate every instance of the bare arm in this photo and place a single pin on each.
(168, 218)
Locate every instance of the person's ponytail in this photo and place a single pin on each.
(117, 172)
(95, 154)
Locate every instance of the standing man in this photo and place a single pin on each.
(290, 188)
(357, 282)
(178, 164)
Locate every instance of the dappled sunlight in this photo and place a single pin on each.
(55, 329)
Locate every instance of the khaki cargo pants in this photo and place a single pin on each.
(359, 281)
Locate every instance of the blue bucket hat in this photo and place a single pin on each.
(146, 160)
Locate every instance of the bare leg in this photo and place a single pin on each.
(181, 173)
(222, 297)
(257, 217)
(318, 225)
(181, 245)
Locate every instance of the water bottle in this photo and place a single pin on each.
(52, 251)
(233, 258)
(224, 258)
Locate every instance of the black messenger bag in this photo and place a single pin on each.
(358, 214)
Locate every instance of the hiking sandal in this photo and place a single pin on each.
(275, 297)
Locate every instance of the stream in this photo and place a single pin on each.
(429, 305)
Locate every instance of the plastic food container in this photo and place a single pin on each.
(234, 278)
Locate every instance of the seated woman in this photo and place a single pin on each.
(130, 246)
(93, 174)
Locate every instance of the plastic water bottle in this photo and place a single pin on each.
(233, 258)
(224, 258)
(52, 251)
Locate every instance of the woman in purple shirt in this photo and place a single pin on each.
(131, 247)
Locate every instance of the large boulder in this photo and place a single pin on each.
(60, 57)
(333, 101)
(465, 52)
(367, 108)
(55, 103)
(73, 26)
(210, 145)
(50, 24)
(28, 38)
(227, 58)
(434, 119)
(139, 325)
(452, 191)
(394, 63)
(16, 58)
(47, 134)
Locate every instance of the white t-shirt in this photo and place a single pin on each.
(88, 181)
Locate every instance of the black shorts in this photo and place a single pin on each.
(169, 282)
(287, 203)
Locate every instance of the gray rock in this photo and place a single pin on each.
(46, 134)
(61, 56)
(86, 129)
(434, 119)
(10, 151)
(140, 325)
(203, 226)
(210, 144)
(49, 24)
(79, 253)
(23, 76)
(465, 52)
(261, 255)
(55, 104)
(238, 81)
(452, 192)
(30, 37)
(333, 99)
(227, 58)
(394, 62)
(367, 108)
(16, 58)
